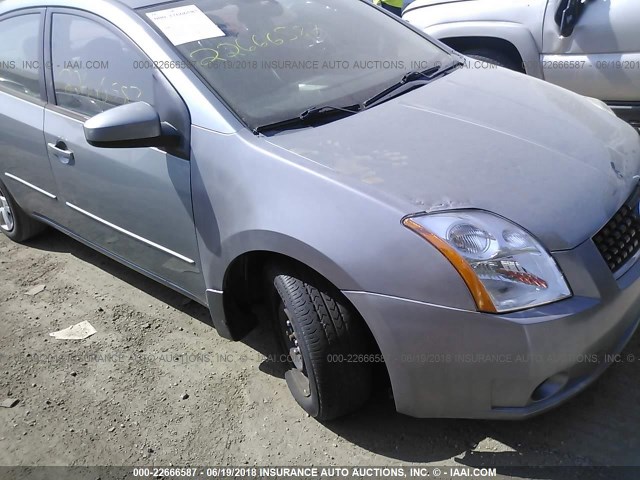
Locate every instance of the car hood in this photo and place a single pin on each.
(550, 160)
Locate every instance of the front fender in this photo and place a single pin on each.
(272, 242)
(515, 33)
(519, 36)
(249, 195)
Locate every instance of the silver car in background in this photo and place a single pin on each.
(591, 47)
(474, 232)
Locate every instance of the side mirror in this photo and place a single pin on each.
(129, 126)
(568, 15)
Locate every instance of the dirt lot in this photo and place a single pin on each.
(126, 407)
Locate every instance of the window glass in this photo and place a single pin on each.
(272, 59)
(93, 68)
(19, 60)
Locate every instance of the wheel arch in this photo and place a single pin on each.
(465, 44)
(243, 282)
(243, 287)
(233, 283)
(513, 37)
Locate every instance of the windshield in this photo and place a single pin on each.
(270, 60)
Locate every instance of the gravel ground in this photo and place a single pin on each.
(156, 385)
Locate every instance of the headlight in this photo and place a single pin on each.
(504, 267)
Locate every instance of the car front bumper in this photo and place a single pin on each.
(446, 362)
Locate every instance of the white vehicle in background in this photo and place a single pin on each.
(589, 46)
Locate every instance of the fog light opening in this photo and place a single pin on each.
(550, 387)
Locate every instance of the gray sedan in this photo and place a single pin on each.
(473, 232)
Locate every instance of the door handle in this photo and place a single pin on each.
(60, 150)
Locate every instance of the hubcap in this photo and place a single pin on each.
(6, 216)
(292, 347)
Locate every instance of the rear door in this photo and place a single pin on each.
(601, 58)
(134, 203)
(24, 165)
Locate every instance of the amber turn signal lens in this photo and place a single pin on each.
(477, 289)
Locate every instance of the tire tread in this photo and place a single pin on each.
(328, 326)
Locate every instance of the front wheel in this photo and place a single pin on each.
(325, 340)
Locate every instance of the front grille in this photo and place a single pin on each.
(619, 240)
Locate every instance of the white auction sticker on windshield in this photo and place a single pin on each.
(185, 24)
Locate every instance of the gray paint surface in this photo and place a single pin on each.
(493, 140)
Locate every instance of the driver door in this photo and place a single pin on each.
(604, 49)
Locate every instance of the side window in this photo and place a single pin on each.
(19, 59)
(94, 69)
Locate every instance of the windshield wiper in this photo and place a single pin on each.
(319, 111)
(413, 76)
(308, 115)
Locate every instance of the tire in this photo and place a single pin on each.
(309, 310)
(494, 57)
(14, 222)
